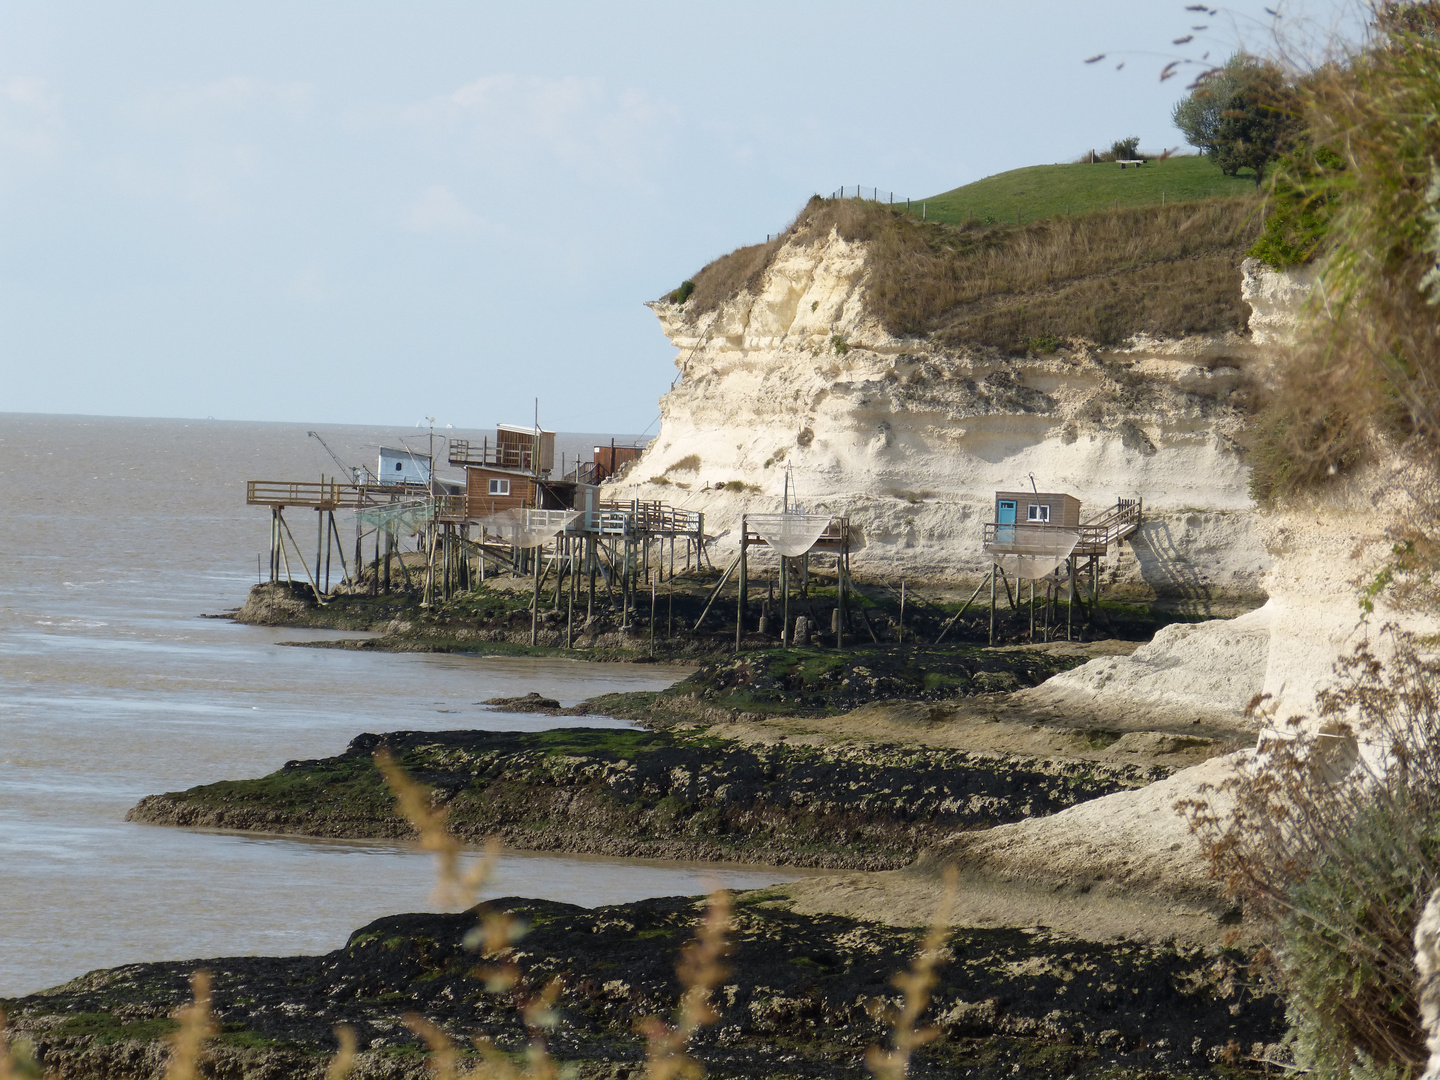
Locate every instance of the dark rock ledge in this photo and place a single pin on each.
(797, 1003)
(667, 794)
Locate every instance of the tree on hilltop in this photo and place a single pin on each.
(1243, 115)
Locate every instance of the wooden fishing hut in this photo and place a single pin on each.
(1041, 536)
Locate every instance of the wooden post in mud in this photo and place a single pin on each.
(1032, 611)
(742, 596)
(785, 629)
(590, 542)
(993, 568)
(1070, 601)
(359, 551)
(535, 603)
(319, 530)
(902, 611)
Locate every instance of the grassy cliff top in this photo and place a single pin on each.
(1168, 270)
(1044, 191)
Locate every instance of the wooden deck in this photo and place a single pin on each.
(330, 495)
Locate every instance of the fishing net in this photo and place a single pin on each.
(790, 534)
(1033, 552)
(399, 519)
(523, 528)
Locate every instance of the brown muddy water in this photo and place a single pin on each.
(118, 534)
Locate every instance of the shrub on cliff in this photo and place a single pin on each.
(1331, 840)
(1361, 206)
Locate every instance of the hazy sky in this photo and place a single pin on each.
(368, 213)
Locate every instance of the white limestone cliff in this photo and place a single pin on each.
(911, 440)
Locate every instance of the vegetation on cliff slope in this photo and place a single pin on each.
(1359, 197)
(1103, 277)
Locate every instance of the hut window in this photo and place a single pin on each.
(1039, 513)
(499, 487)
(399, 466)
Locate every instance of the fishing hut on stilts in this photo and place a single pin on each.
(1039, 537)
(509, 514)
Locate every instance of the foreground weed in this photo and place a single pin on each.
(196, 1025)
(915, 986)
(343, 1063)
(15, 1062)
(701, 972)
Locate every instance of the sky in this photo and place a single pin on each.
(371, 213)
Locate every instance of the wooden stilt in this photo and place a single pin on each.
(742, 595)
(956, 617)
(993, 568)
(535, 603)
(590, 542)
(786, 635)
(1070, 601)
(313, 587)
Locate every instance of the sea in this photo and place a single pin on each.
(120, 537)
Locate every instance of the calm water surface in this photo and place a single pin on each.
(117, 535)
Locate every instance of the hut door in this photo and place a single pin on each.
(1005, 516)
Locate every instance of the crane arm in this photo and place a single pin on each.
(354, 472)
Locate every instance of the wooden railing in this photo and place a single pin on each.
(464, 452)
(655, 517)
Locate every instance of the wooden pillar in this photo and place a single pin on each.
(993, 569)
(319, 535)
(1032, 611)
(535, 603)
(742, 596)
(329, 528)
(590, 600)
(1070, 601)
(785, 629)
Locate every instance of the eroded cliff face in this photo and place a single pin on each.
(911, 440)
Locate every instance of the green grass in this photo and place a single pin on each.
(1045, 191)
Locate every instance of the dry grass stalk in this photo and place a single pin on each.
(15, 1064)
(343, 1063)
(454, 886)
(196, 1025)
(915, 986)
(493, 937)
(701, 972)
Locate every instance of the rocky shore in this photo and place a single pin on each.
(799, 1000)
(664, 794)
